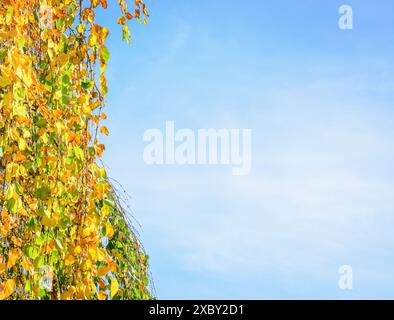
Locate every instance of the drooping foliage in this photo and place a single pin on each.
(63, 232)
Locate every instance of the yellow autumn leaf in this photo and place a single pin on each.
(2, 268)
(122, 21)
(77, 250)
(62, 58)
(7, 35)
(104, 33)
(100, 148)
(102, 271)
(102, 295)
(92, 253)
(13, 258)
(92, 39)
(95, 3)
(20, 157)
(68, 295)
(87, 265)
(22, 144)
(105, 211)
(81, 28)
(69, 260)
(104, 4)
(7, 289)
(114, 287)
(27, 265)
(110, 230)
(102, 284)
(4, 81)
(71, 137)
(101, 254)
(104, 130)
(112, 266)
(48, 222)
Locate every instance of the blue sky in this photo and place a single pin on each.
(320, 103)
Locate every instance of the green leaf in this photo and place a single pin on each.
(104, 55)
(10, 192)
(78, 152)
(54, 257)
(12, 205)
(92, 151)
(36, 16)
(66, 100)
(39, 262)
(87, 85)
(59, 244)
(21, 43)
(41, 239)
(40, 122)
(43, 193)
(31, 252)
(31, 222)
(8, 16)
(66, 79)
(20, 110)
(28, 286)
(126, 34)
(19, 190)
(3, 54)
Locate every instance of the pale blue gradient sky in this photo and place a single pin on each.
(320, 102)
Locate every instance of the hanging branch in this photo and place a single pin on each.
(64, 232)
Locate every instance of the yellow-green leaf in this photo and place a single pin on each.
(114, 287)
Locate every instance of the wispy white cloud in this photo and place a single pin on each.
(320, 195)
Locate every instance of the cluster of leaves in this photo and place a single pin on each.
(58, 211)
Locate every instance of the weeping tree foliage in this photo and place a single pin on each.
(63, 231)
